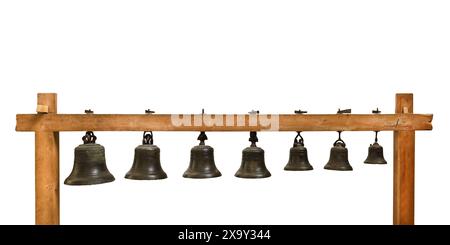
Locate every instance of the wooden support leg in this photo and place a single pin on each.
(404, 166)
(47, 168)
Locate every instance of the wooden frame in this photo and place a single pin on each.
(47, 124)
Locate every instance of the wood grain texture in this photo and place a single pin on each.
(163, 122)
(47, 169)
(404, 148)
(42, 109)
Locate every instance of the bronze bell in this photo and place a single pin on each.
(339, 157)
(375, 153)
(146, 164)
(252, 165)
(202, 161)
(90, 164)
(298, 156)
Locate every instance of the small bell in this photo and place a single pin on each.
(298, 156)
(253, 165)
(375, 155)
(202, 163)
(90, 165)
(339, 156)
(146, 165)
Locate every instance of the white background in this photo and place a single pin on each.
(227, 57)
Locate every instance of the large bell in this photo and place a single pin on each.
(298, 156)
(339, 157)
(90, 164)
(375, 155)
(146, 164)
(252, 165)
(202, 161)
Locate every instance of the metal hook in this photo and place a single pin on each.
(339, 140)
(89, 138)
(253, 138)
(202, 137)
(147, 138)
(298, 139)
(376, 136)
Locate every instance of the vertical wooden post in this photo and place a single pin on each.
(404, 166)
(47, 168)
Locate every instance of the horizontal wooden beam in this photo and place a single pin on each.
(206, 122)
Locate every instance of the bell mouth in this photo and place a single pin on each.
(84, 181)
(253, 176)
(375, 162)
(135, 176)
(349, 168)
(291, 167)
(190, 175)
